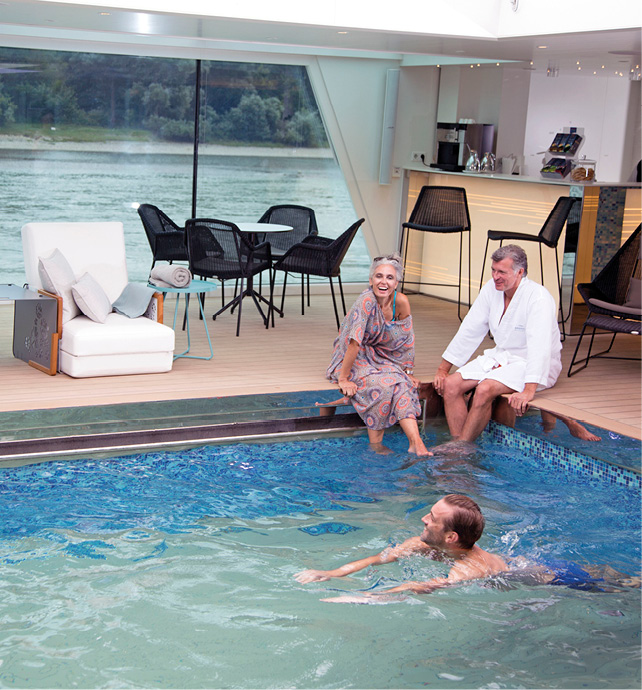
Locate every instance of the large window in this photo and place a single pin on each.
(89, 136)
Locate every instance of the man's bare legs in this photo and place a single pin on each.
(576, 429)
(466, 424)
(505, 414)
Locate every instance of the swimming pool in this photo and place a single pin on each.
(176, 570)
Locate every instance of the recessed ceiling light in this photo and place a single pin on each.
(105, 14)
(542, 47)
(342, 32)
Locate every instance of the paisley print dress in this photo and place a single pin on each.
(385, 393)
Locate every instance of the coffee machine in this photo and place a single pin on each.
(455, 141)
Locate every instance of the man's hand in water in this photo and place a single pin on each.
(306, 576)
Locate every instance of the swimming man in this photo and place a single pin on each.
(451, 530)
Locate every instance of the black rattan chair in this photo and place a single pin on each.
(613, 300)
(218, 249)
(318, 256)
(549, 235)
(303, 222)
(166, 239)
(442, 210)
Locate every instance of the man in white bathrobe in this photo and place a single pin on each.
(522, 318)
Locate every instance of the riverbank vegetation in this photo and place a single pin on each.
(89, 97)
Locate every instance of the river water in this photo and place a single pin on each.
(63, 185)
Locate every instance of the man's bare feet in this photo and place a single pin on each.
(580, 431)
(455, 448)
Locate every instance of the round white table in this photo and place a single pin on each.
(260, 228)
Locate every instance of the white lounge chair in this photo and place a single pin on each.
(120, 345)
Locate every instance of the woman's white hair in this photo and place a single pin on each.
(393, 260)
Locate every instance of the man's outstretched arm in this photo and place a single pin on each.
(389, 555)
(456, 576)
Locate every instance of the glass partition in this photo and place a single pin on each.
(88, 137)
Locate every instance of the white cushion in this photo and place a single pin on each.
(115, 365)
(95, 248)
(83, 337)
(57, 276)
(91, 299)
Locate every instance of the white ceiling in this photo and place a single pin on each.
(75, 26)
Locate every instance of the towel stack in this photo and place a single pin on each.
(170, 276)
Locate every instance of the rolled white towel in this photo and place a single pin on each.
(170, 276)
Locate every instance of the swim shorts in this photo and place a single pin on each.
(572, 575)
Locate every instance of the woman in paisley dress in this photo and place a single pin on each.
(374, 356)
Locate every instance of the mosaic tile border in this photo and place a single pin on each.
(560, 458)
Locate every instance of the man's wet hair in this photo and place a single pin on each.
(467, 520)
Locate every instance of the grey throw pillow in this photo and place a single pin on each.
(57, 276)
(91, 299)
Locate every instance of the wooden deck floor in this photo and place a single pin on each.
(293, 357)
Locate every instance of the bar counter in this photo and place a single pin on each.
(608, 214)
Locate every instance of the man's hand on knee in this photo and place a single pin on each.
(520, 401)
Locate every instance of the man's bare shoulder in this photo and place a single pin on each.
(411, 546)
(478, 565)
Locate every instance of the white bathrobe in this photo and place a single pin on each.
(527, 338)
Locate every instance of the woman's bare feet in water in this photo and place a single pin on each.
(415, 443)
(379, 448)
(419, 448)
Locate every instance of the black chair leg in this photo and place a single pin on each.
(334, 302)
(308, 282)
(559, 286)
(343, 301)
(240, 304)
(405, 255)
(541, 262)
(236, 292)
(271, 307)
(461, 243)
(302, 297)
(285, 280)
(481, 277)
(469, 260)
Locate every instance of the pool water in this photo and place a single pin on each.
(176, 571)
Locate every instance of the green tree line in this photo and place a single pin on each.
(246, 103)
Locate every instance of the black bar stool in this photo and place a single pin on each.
(442, 210)
(548, 235)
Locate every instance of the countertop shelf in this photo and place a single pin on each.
(567, 182)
